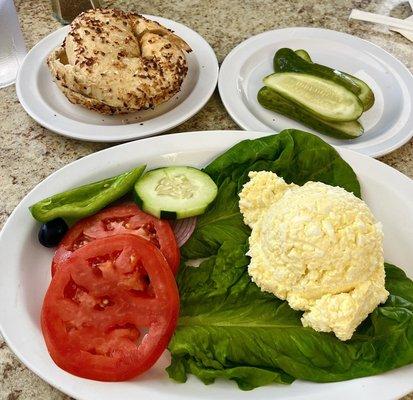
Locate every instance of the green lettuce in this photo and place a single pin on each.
(229, 329)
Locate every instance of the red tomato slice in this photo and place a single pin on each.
(97, 307)
(126, 218)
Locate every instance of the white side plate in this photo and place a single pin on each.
(388, 124)
(25, 273)
(47, 105)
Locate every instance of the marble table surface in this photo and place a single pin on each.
(29, 153)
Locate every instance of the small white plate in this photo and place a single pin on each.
(388, 124)
(46, 104)
(25, 273)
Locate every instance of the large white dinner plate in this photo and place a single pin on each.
(46, 104)
(25, 273)
(388, 124)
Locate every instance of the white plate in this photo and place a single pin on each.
(388, 124)
(47, 105)
(25, 273)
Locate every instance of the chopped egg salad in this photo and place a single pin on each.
(317, 246)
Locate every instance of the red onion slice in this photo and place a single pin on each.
(183, 229)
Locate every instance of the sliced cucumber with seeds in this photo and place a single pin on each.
(175, 192)
(271, 100)
(321, 97)
(287, 60)
(365, 95)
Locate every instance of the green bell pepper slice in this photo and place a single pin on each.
(85, 200)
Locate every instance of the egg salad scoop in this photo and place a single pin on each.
(317, 246)
(115, 62)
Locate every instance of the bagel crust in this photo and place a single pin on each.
(115, 62)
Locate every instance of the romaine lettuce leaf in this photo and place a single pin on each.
(229, 329)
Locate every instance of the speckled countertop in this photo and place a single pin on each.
(29, 153)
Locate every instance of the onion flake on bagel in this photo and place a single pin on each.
(115, 62)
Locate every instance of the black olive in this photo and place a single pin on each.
(52, 232)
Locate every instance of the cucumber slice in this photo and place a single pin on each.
(175, 192)
(286, 60)
(365, 95)
(271, 100)
(304, 55)
(321, 97)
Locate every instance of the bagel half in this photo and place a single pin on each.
(115, 62)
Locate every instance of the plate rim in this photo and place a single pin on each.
(214, 134)
(237, 118)
(70, 132)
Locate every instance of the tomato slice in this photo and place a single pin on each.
(100, 319)
(125, 218)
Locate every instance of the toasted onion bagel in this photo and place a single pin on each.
(116, 62)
